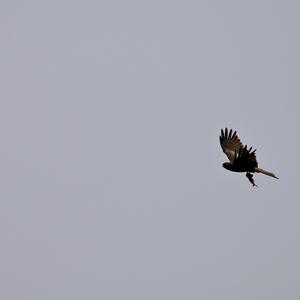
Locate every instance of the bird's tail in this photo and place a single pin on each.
(259, 170)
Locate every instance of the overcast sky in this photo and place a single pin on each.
(112, 185)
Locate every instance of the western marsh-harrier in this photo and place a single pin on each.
(240, 158)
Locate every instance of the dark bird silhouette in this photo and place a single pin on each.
(241, 159)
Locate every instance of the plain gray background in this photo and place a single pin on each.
(112, 184)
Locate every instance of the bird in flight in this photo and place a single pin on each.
(241, 159)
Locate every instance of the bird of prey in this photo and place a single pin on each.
(241, 159)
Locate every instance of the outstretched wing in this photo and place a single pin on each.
(245, 159)
(230, 143)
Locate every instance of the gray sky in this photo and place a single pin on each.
(112, 184)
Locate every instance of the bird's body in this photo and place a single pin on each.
(241, 159)
(231, 167)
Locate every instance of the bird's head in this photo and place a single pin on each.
(227, 165)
